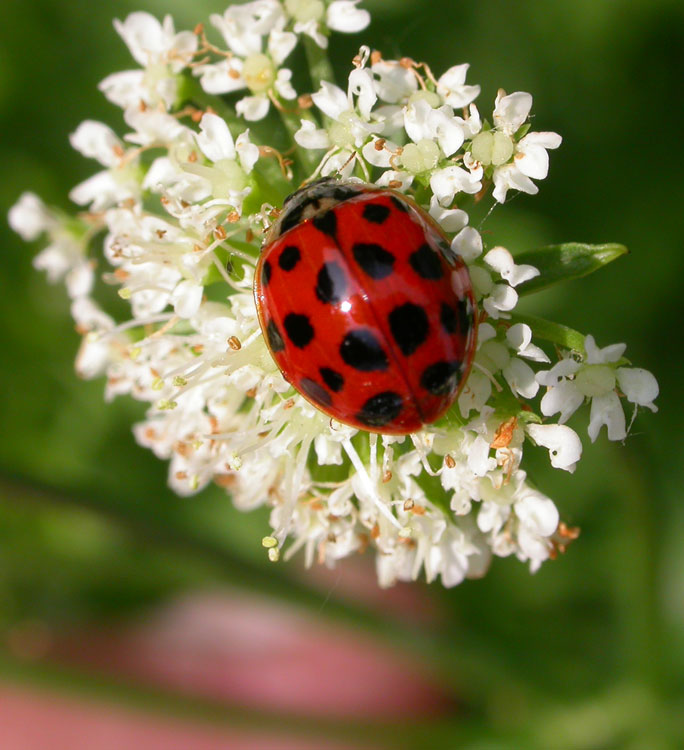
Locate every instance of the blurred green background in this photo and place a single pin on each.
(589, 652)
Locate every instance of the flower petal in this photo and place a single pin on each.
(452, 88)
(253, 108)
(214, 138)
(97, 141)
(331, 100)
(511, 111)
(344, 16)
(445, 183)
(639, 386)
(565, 447)
(607, 410)
(520, 377)
(29, 217)
(563, 398)
(308, 136)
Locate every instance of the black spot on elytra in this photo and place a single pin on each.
(299, 329)
(266, 271)
(381, 409)
(326, 223)
(331, 284)
(361, 350)
(315, 391)
(400, 204)
(425, 262)
(275, 339)
(374, 260)
(409, 326)
(448, 318)
(289, 257)
(332, 379)
(376, 213)
(441, 378)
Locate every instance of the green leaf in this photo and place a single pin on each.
(568, 338)
(571, 260)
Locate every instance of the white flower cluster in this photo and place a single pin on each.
(388, 102)
(180, 203)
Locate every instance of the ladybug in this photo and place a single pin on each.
(364, 307)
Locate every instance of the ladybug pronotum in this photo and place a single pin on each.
(364, 307)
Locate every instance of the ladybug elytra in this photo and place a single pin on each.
(364, 307)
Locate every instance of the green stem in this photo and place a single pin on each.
(320, 68)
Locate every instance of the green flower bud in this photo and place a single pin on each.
(429, 96)
(492, 147)
(421, 156)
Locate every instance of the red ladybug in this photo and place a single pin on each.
(365, 308)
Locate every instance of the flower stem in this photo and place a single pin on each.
(320, 68)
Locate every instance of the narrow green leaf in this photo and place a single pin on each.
(571, 260)
(568, 338)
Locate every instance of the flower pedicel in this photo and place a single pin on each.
(183, 202)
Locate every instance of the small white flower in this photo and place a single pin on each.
(511, 111)
(151, 42)
(254, 32)
(451, 86)
(538, 519)
(565, 448)
(65, 256)
(570, 382)
(451, 220)
(29, 217)
(244, 26)
(226, 180)
(352, 123)
(394, 82)
(519, 338)
(502, 262)
(423, 123)
(468, 244)
(121, 181)
(446, 183)
(501, 300)
(514, 161)
(154, 128)
(161, 52)
(95, 140)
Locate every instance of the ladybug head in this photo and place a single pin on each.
(311, 200)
